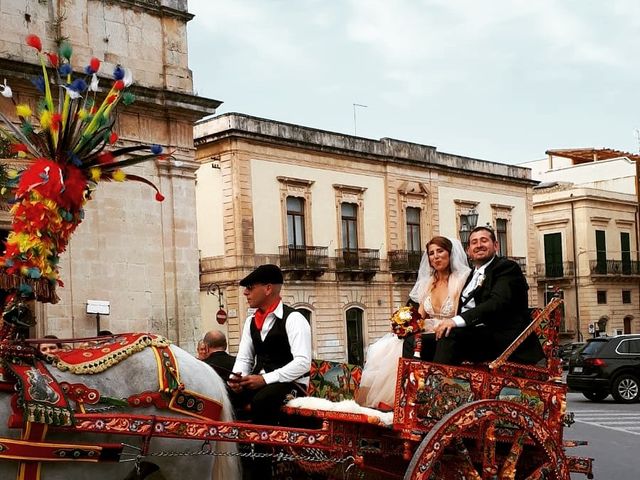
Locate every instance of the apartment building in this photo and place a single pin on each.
(586, 215)
(346, 218)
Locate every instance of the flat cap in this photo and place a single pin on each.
(263, 274)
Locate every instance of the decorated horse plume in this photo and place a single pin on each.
(68, 140)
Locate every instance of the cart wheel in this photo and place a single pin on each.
(489, 439)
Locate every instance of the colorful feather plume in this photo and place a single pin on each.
(68, 140)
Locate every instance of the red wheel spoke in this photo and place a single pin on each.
(489, 467)
(508, 470)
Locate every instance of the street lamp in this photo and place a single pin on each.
(467, 223)
(221, 315)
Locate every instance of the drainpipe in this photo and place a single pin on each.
(576, 269)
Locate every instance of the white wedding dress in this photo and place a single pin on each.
(378, 383)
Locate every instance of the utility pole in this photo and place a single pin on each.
(355, 129)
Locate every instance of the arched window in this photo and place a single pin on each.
(355, 340)
(306, 313)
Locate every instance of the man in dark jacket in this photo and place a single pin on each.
(216, 354)
(492, 311)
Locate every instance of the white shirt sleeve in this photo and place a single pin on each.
(459, 321)
(245, 360)
(299, 334)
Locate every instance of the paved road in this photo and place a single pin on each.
(613, 432)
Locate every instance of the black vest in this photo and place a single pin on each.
(274, 352)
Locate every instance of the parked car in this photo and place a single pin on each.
(607, 365)
(568, 350)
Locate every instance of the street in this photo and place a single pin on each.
(613, 432)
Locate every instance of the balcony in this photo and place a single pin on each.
(621, 268)
(357, 264)
(555, 271)
(404, 264)
(303, 261)
(521, 261)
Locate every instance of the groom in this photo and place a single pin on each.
(492, 310)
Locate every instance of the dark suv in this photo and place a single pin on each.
(607, 365)
(567, 351)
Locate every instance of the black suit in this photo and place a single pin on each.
(221, 359)
(500, 314)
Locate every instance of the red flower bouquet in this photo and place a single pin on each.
(406, 321)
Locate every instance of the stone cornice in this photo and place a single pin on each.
(236, 125)
(165, 8)
(192, 105)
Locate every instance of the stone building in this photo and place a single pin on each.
(586, 215)
(345, 217)
(139, 254)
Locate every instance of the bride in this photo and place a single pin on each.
(441, 276)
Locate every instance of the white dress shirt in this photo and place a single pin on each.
(478, 276)
(299, 335)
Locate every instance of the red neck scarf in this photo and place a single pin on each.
(260, 316)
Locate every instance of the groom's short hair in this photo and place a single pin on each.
(487, 228)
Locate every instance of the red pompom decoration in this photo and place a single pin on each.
(34, 41)
(159, 197)
(113, 138)
(94, 63)
(118, 85)
(105, 157)
(56, 118)
(53, 59)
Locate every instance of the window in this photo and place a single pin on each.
(553, 255)
(627, 324)
(414, 244)
(630, 347)
(601, 252)
(295, 222)
(355, 341)
(626, 296)
(626, 253)
(501, 236)
(602, 297)
(349, 226)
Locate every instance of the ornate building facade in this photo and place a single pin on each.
(586, 216)
(136, 253)
(346, 218)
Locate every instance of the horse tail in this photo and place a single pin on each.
(226, 466)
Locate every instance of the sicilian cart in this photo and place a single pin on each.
(134, 397)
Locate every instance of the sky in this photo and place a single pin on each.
(496, 80)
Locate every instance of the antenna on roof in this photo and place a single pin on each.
(636, 132)
(355, 130)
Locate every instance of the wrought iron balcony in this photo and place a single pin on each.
(614, 267)
(521, 261)
(555, 270)
(304, 258)
(404, 260)
(358, 259)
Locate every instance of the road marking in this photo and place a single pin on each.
(621, 421)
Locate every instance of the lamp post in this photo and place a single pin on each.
(468, 223)
(221, 315)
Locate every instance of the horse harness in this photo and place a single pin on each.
(39, 402)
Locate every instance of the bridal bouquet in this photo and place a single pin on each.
(406, 321)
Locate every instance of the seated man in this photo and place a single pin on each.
(215, 354)
(274, 356)
(492, 311)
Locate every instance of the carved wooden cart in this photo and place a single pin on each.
(497, 420)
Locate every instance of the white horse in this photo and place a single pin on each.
(134, 375)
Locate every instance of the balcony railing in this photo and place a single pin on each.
(306, 257)
(521, 261)
(404, 260)
(555, 270)
(360, 259)
(614, 267)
